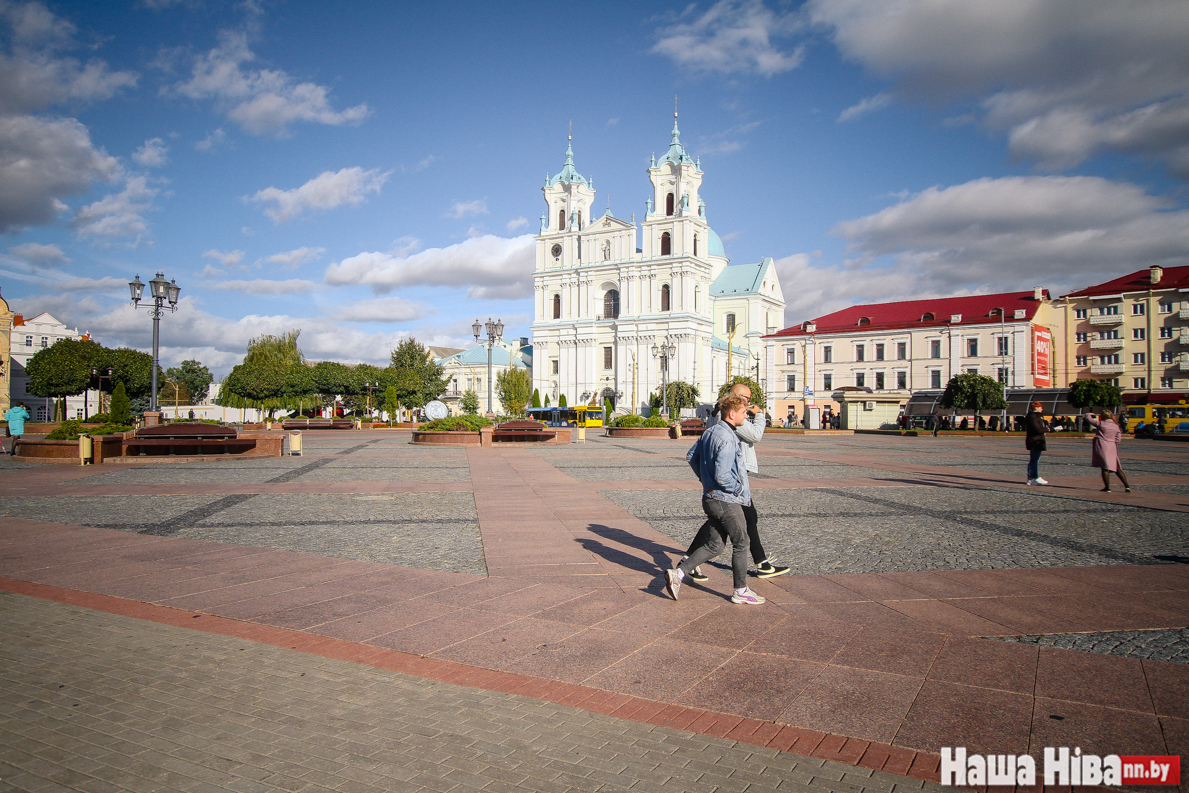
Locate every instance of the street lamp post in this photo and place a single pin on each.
(1002, 344)
(664, 352)
(495, 332)
(162, 291)
(101, 375)
(370, 385)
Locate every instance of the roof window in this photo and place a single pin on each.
(927, 317)
(864, 320)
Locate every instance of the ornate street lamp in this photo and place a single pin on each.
(495, 332)
(664, 351)
(162, 292)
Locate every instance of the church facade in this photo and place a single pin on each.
(608, 291)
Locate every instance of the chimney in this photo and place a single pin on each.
(1156, 273)
(1038, 293)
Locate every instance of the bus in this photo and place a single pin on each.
(581, 416)
(1175, 417)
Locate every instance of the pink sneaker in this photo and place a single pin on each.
(748, 597)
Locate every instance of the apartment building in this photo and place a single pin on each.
(913, 345)
(1132, 332)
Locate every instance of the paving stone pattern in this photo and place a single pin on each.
(1167, 645)
(93, 701)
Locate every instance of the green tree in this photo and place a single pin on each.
(1094, 393)
(132, 368)
(64, 368)
(682, 395)
(280, 349)
(193, 377)
(975, 392)
(546, 400)
(514, 388)
(427, 381)
(121, 409)
(606, 410)
(536, 398)
(299, 386)
(391, 402)
(757, 393)
(561, 402)
(469, 402)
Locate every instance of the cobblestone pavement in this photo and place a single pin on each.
(1167, 645)
(93, 701)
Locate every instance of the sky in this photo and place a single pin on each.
(371, 171)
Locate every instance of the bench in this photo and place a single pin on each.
(186, 439)
(317, 424)
(522, 432)
(692, 427)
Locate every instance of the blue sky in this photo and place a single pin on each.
(371, 171)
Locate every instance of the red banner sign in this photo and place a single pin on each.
(1042, 357)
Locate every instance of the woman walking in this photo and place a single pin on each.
(1106, 449)
(1034, 442)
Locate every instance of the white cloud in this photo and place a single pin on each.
(211, 272)
(402, 247)
(488, 266)
(41, 255)
(227, 259)
(295, 257)
(384, 309)
(213, 139)
(992, 235)
(152, 154)
(732, 37)
(1067, 79)
(423, 164)
(467, 209)
(106, 284)
(867, 105)
(263, 286)
(326, 191)
(517, 223)
(261, 101)
(118, 214)
(42, 161)
(611, 122)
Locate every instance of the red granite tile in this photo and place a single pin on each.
(424, 638)
(662, 670)
(983, 720)
(804, 639)
(591, 608)
(658, 617)
(531, 600)
(815, 589)
(500, 647)
(1107, 680)
(1097, 730)
(576, 658)
(1008, 666)
(872, 586)
(1127, 578)
(858, 702)
(944, 617)
(1020, 615)
(888, 650)
(759, 686)
(381, 621)
(871, 613)
(1176, 740)
(992, 582)
(730, 626)
(1168, 685)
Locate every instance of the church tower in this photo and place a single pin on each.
(569, 198)
(675, 221)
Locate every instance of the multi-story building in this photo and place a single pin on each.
(914, 345)
(467, 371)
(1132, 332)
(610, 297)
(28, 337)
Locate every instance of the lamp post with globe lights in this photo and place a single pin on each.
(495, 332)
(664, 351)
(162, 292)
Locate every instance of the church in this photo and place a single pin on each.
(621, 307)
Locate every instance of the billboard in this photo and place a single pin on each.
(1042, 357)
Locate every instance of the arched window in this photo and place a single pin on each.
(611, 304)
(927, 316)
(864, 321)
(557, 306)
(695, 245)
(669, 204)
(665, 297)
(666, 244)
(561, 220)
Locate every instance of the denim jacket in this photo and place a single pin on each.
(717, 459)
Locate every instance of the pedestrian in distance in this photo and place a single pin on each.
(1034, 441)
(1105, 455)
(717, 458)
(749, 432)
(16, 417)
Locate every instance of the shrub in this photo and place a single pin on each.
(99, 418)
(455, 424)
(628, 420)
(121, 412)
(66, 431)
(656, 420)
(110, 429)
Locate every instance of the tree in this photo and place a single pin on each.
(64, 368)
(975, 392)
(546, 400)
(194, 378)
(561, 402)
(514, 388)
(132, 368)
(536, 398)
(280, 349)
(1094, 393)
(757, 393)
(120, 412)
(469, 402)
(606, 410)
(299, 386)
(391, 402)
(418, 378)
(682, 395)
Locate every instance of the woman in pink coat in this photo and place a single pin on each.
(1106, 449)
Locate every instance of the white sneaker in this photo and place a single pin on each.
(1030, 482)
(747, 597)
(1040, 481)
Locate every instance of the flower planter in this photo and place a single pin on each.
(446, 438)
(638, 432)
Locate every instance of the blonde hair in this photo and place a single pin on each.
(1106, 415)
(732, 402)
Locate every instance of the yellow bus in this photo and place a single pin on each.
(581, 416)
(1149, 413)
(586, 416)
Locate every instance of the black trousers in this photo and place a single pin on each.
(753, 534)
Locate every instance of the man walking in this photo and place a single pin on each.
(749, 432)
(718, 459)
